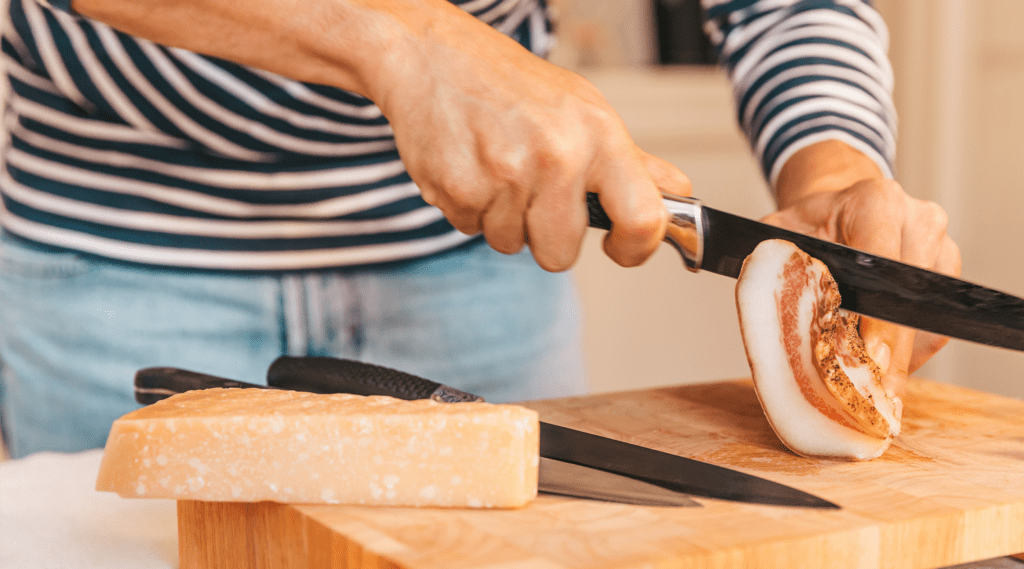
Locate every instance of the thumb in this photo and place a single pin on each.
(891, 347)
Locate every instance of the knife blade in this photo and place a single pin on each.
(554, 476)
(568, 479)
(719, 242)
(669, 471)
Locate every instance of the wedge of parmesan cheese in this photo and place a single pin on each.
(249, 445)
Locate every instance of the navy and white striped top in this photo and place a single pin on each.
(134, 151)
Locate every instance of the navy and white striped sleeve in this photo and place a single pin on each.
(804, 71)
(64, 5)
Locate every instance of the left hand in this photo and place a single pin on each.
(831, 191)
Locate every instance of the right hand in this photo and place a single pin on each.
(500, 140)
(506, 143)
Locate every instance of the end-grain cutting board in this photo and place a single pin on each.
(950, 490)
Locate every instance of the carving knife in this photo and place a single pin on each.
(555, 477)
(719, 242)
(669, 471)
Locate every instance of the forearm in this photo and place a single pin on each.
(357, 45)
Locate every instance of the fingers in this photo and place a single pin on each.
(926, 244)
(629, 188)
(924, 233)
(882, 219)
(891, 347)
(873, 220)
(545, 206)
(556, 221)
(503, 221)
(630, 194)
(639, 218)
(927, 344)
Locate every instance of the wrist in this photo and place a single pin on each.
(826, 166)
(406, 45)
(378, 43)
(364, 46)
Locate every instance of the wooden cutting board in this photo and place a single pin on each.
(950, 490)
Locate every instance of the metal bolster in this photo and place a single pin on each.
(445, 394)
(686, 229)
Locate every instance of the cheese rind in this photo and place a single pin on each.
(249, 445)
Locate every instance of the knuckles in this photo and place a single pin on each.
(881, 195)
(887, 196)
(932, 215)
(543, 154)
(645, 226)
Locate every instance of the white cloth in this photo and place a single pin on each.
(51, 517)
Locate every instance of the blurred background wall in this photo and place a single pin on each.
(960, 95)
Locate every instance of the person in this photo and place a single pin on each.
(209, 184)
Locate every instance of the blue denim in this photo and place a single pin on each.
(74, 329)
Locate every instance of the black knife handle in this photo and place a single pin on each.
(686, 225)
(155, 383)
(598, 219)
(334, 375)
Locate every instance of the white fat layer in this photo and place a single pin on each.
(800, 425)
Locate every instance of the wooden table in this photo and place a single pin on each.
(950, 490)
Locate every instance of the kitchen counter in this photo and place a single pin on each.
(950, 488)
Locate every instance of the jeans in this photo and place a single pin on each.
(75, 328)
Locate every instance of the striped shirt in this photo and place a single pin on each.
(134, 151)
(804, 71)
